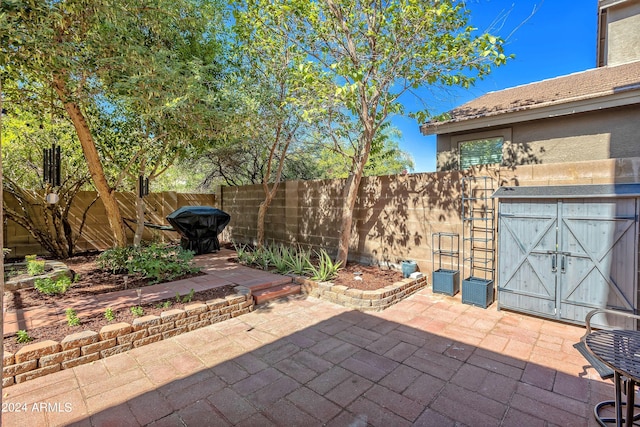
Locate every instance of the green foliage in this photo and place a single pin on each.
(278, 258)
(137, 311)
(72, 317)
(155, 261)
(56, 286)
(185, 299)
(116, 259)
(386, 157)
(360, 62)
(109, 314)
(23, 337)
(165, 304)
(287, 260)
(35, 267)
(325, 269)
(29, 258)
(298, 261)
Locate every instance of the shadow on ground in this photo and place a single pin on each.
(424, 362)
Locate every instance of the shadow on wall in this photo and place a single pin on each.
(513, 155)
(396, 215)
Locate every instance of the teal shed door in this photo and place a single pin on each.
(561, 258)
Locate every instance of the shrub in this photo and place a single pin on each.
(109, 314)
(185, 299)
(53, 287)
(72, 317)
(326, 268)
(23, 337)
(165, 304)
(298, 261)
(155, 261)
(35, 267)
(137, 311)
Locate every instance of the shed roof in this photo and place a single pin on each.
(569, 191)
(585, 85)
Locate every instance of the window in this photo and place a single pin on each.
(481, 152)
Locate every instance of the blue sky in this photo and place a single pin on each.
(558, 39)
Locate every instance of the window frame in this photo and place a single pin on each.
(458, 140)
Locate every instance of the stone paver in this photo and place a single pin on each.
(427, 361)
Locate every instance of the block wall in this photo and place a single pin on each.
(396, 215)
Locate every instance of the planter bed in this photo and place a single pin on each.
(375, 300)
(42, 358)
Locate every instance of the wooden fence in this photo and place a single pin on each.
(96, 233)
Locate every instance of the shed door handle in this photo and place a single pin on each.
(563, 262)
(553, 263)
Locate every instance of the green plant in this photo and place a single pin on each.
(165, 304)
(28, 258)
(72, 317)
(137, 311)
(35, 267)
(23, 336)
(326, 268)
(187, 298)
(109, 314)
(243, 254)
(278, 256)
(298, 261)
(53, 287)
(156, 261)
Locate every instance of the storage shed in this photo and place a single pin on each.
(565, 250)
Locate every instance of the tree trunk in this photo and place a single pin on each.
(262, 211)
(349, 196)
(94, 164)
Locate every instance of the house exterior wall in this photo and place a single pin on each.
(598, 135)
(622, 34)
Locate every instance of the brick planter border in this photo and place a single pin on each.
(42, 358)
(376, 300)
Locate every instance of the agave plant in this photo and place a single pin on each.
(326, 269)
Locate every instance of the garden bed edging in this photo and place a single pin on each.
(46, 357)
(376, 300)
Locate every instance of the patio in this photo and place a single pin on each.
(429, 360)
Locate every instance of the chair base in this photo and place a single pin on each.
(606, 422)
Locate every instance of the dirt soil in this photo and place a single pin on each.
(92, 281)
(366, 277)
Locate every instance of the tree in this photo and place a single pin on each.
(374, 53)
(80, 50)
(25, 136)
(386, 157)
(270, 80)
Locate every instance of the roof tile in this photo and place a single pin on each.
(588, 84)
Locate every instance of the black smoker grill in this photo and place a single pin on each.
(199, 227)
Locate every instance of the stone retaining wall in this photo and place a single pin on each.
(358, 299)
(46, 357)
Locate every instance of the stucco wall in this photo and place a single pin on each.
(623, 34)
(605, 134)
